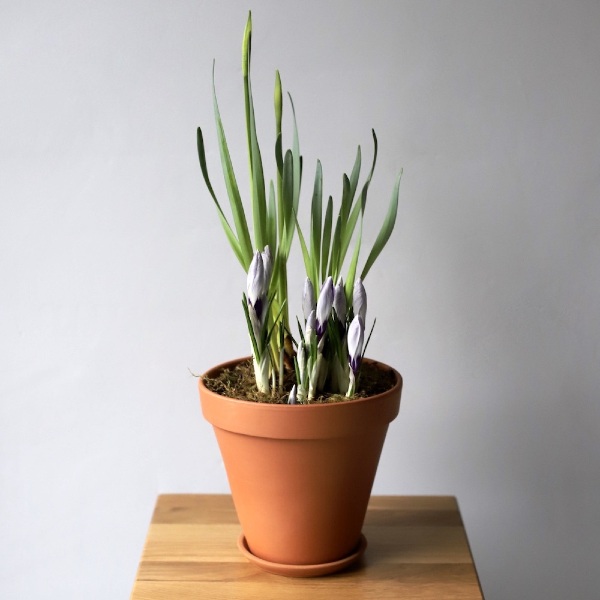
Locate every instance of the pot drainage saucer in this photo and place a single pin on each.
(303, 570)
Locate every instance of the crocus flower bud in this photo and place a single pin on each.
(293, 397)
(308, 298)
(256, 279)
(324, 305)
(339, 302)
(356, 338)
(311, 326)
(301, 357)
(359, 300)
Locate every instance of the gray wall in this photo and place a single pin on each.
(115, 278)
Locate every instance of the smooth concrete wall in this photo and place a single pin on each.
(116, 280)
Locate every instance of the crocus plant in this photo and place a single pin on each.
(327, 355)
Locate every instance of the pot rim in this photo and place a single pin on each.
(300, 421)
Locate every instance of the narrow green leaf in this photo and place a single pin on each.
(250, 328)
(257, 182)
(334, 338)
(334, 261)
(259, 201)
(348, 222)
(278, 105)
(278, 101)
(203, 167)
(237, 209)
(297, 159)
(288, 203)
(350, 227)
(233, 241)
(281, 213)
(363, 195)
(355, 173)
(246, 53)
(346, 199)
(308, 265)
(272, 221)
(279, 156)
(366, 344)
(386, 229)
(326, 238)
(344, 213)
(349, 284)
(300, 330)
(246, 45)
(316, 217)
(297, 369)
(275, 322)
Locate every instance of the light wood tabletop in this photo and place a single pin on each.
(417, 549)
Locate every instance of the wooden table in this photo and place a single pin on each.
(417, 549)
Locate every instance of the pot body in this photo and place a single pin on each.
(301, 475)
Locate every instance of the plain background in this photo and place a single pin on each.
(116, 280)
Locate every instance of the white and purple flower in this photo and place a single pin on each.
(324, 306)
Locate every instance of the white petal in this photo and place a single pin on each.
(301, 358)
(339, 302)
(308, 298)
(325, 302)
(359, 300)
(356, 338)
(256, 279)
(311, 324)
(293, 397)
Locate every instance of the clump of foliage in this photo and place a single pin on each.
(328, 353)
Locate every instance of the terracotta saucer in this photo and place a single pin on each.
(303, 570)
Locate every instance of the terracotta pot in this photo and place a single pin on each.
(301, 475)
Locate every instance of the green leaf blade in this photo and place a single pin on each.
(272, 221)
(288, 203)
(334, 260)
(316, 216)
(308, 265)
(233, 241)
(351, 275)
(326, 239)
(355, 173)
(237, 208)
(386, 229)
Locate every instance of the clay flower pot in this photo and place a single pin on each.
(301, 475)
